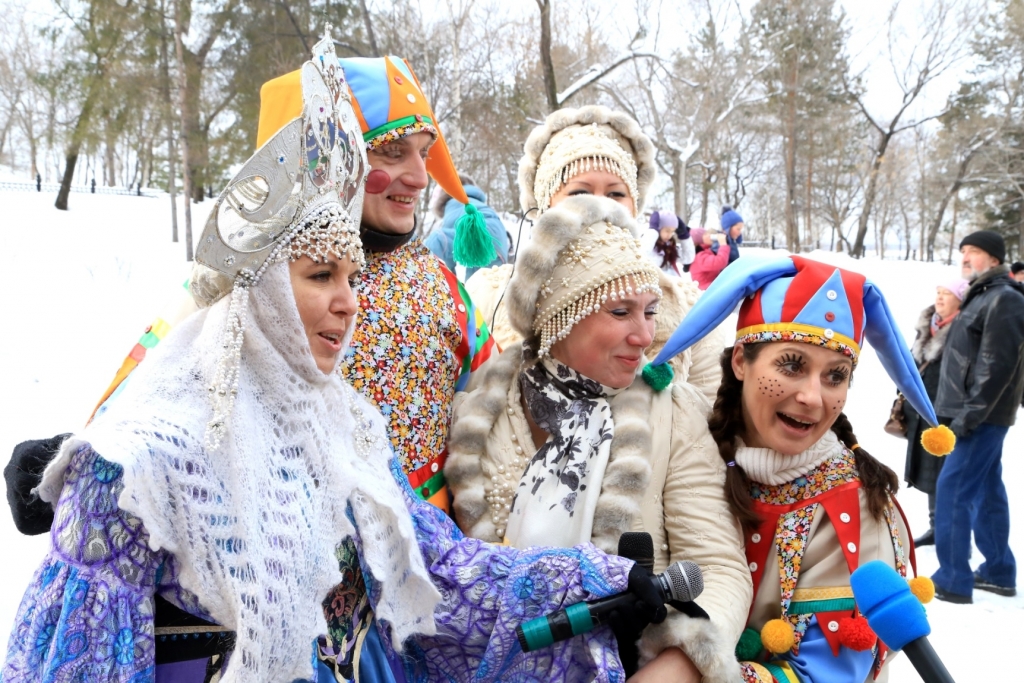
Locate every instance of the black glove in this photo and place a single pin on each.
(628, 623)
(31, 515)
(682, 230)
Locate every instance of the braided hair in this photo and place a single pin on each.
(726, 423)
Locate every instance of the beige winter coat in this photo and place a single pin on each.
(664, 476)
(699, 365)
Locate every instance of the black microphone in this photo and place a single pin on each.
(639, 547)
(680, 583)
(898, 617)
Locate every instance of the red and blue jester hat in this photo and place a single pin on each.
(798, 299)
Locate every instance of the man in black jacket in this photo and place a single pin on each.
(980, 387)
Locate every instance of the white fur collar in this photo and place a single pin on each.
(767, 466)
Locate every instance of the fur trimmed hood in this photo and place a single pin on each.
(928, 347)
(627, 130)
(552, 232)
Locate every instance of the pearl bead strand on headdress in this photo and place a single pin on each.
(326, 231)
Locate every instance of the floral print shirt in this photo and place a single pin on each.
(417, 340)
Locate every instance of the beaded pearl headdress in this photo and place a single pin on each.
(300, 194)
(604, 263)
(580, 149)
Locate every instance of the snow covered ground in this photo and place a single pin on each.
(79, 288)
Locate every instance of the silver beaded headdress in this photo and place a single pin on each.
(300, 194)
(604, 263)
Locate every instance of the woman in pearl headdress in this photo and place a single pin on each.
(561, 441)
(594, 150)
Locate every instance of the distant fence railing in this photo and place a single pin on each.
(53, 188)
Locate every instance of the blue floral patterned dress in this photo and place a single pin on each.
(90, 612)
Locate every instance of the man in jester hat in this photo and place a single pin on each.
(814, 504)
(418, 336)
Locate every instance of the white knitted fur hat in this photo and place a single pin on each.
(617, 130)
(584, 252)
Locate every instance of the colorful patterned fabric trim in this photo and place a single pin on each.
(782, 672)
(897, 544)
(797, 332)
(840, 470)
(396, 130)
(791, 535)
(815, 606)
(822, 593)
(477, 343)
(753, 672)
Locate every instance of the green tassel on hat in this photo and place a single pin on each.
(658, 377)
(473, 245)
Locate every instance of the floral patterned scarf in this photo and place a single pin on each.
(557, 494)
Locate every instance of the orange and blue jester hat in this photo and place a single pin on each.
(389, 105)
(801, 300)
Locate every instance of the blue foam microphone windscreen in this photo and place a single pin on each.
(885, 600)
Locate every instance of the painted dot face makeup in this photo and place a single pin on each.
(792, 394)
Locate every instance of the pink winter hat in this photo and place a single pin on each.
(958, 287)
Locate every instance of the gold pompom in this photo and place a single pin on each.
(922, 588)
(938, 440)
(778, 636)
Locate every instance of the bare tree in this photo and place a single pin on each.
(945, 41)
(683, 103)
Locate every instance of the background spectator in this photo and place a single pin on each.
(732, 225)
(1017, 271)
(922, 469)
(668, 243)
(442, 238)
(980, 386)
(712, 256)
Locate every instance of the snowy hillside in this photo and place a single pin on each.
(79, 288)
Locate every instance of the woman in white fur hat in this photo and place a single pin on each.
(594, 150)
(562, 441)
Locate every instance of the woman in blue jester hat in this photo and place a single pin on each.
(237, 513)
(814, 504)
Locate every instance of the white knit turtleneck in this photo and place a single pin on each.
(767, 466)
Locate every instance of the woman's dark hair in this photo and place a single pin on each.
(726, 424)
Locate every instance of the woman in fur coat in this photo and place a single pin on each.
(596, 151)
(922, 470)
(561, 440)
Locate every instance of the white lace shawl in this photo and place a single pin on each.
(255, 524)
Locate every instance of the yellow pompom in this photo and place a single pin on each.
(938, 440)
(777, 636)
(923, 588)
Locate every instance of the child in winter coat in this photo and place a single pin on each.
(667, 244)
(814, 504)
